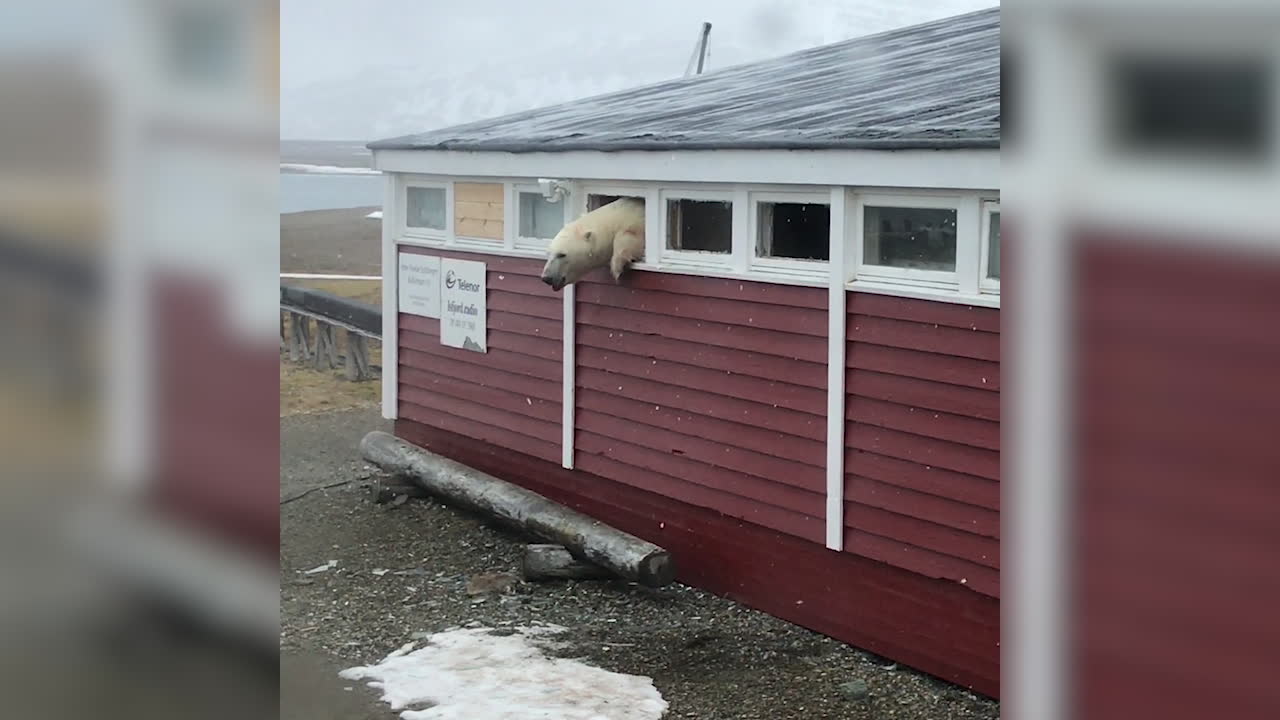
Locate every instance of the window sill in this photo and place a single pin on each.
(924, 293)
(728, 274)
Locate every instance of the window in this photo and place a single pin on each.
(426, 208)
(926, 241)
(540, 219)
(910, 238)
(793, 230)
(990, 248)
(1182, 104)
(699, 225)
(597, 200)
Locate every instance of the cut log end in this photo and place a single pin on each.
(657, 570)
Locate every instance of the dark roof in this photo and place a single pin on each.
(935, 85)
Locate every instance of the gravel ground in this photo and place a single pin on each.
(710, 658)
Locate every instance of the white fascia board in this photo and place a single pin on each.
(939, 169)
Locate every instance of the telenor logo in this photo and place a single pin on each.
(450, 280)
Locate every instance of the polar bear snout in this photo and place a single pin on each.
(555, 281)
(553, 273)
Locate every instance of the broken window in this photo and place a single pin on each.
(700, 225)
(797, 231)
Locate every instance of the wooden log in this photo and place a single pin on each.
(547, 562)
(587, 539)
(300, 326)
(326, 347)
(357, 359)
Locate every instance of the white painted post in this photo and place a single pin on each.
(835, 371)
(576, 205)
(391, 211)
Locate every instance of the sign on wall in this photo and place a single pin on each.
(419, 283)
(463, 310)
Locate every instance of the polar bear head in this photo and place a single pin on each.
(575, 251)
(609, 236)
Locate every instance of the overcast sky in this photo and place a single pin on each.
(356, 69)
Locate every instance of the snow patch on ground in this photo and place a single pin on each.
(471, 673)
(328, 169)
(376, 214)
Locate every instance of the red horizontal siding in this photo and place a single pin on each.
(922, 436)
(778, 444)
(679, 442)
(547, 308)
(694, 377)
(712, 334)
(940, 627)
(932, 480)
(922, 450)
(425, 352)
(917, 533)
(973, 519)
(952, 341)
(658, 343)
(510, 395)
(767, 515)
(499, 340)
(967, 372)
(698, 307)
(641, 460)
(929, 423)
(758, 365)
(921, 311)
(745, 412)
(923, 561)
(755, 292)
(418, 369)
(1174, 478)
(925, 394)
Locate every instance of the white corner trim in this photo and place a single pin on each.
(390, 299)
(836, 326)
(568, 380)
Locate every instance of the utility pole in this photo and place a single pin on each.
(702, 45)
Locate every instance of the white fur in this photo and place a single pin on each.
(611, 235)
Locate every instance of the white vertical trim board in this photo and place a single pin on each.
(835, 373)
(568, 380)
(391, 212)
(576, 206)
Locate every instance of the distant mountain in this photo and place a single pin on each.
(378, 102)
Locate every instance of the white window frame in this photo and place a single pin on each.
(766, 267)
(734, 259)
(987, 284)
(430, 235)
(518, 241)
(963, 279)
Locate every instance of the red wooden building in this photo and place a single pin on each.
(797, 391)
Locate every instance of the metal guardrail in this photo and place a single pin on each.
(303, 307)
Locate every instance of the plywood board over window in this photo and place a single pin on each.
(478, 210)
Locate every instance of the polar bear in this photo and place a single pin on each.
(611, 235)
